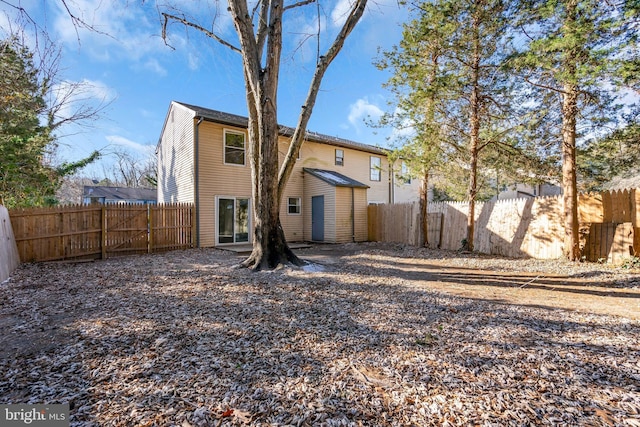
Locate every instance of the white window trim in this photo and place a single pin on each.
(336, 157)
(379, 168)
(299, 205)
(224, 147)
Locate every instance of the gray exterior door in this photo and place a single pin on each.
(317, 218)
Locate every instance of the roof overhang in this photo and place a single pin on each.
(334, 178)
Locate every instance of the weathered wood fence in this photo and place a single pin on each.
(101, 231)
(609, 225)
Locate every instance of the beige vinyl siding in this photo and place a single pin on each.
(218, 179)
(293, 225)
(344, 225)
(175, 157)
(356, 166)
(316, 187)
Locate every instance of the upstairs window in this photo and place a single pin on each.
(404, 174)
(339, 157)
(234, 148)
(374, 170)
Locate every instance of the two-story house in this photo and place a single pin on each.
(202, 159)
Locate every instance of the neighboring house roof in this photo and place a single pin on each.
(234, 120)
(119, 193)
(334, 178)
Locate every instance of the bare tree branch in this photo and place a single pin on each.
(299, 4)
(203, 30)
(299, 134)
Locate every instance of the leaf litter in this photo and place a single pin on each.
(185, 339)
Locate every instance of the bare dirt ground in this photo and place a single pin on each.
(381, 335)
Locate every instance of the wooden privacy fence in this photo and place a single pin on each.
(534, 227)
(101, 231)
(400, 223)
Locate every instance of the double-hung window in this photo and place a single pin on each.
(294, 206)
(234, 148)
(339, 157)
(404, 171)
(375, 168)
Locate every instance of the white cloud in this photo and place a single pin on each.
(120, 30)
(154, 66)
(136, 147)
(193, 61)
(340, 12)
(363, 110)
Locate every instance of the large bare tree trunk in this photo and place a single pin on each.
(260, 36)
(270, 248)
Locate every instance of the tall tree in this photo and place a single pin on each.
(449, 86)
(417, 85)
(259, 29)
(570, 48)
(28, 174)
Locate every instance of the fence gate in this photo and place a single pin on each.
(126, 230)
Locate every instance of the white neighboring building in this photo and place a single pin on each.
(520, 191)
(406, 189)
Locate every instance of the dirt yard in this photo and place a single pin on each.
(370, 335)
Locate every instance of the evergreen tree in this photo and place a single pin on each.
(569, 50)
(27, 175)
(449, 85)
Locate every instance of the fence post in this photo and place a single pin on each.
(150, 234)
(635, 220)
(103, 238)
(194, 229)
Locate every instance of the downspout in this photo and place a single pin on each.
(196, 173)
(392, 187)
(353, 216)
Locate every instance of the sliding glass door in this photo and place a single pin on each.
(233, 220)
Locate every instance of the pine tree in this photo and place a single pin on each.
(571, 49)
(27, 175)
(448, 84)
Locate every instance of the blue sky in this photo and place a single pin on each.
(128, 63)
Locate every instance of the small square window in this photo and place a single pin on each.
(339, 157)
(294, 205)
(375, 167)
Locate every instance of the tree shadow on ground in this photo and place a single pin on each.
(161, 341)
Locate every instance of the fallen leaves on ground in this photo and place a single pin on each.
(184, 339)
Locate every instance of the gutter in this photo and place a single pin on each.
(196, 161)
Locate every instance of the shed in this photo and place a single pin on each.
(338, 204)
